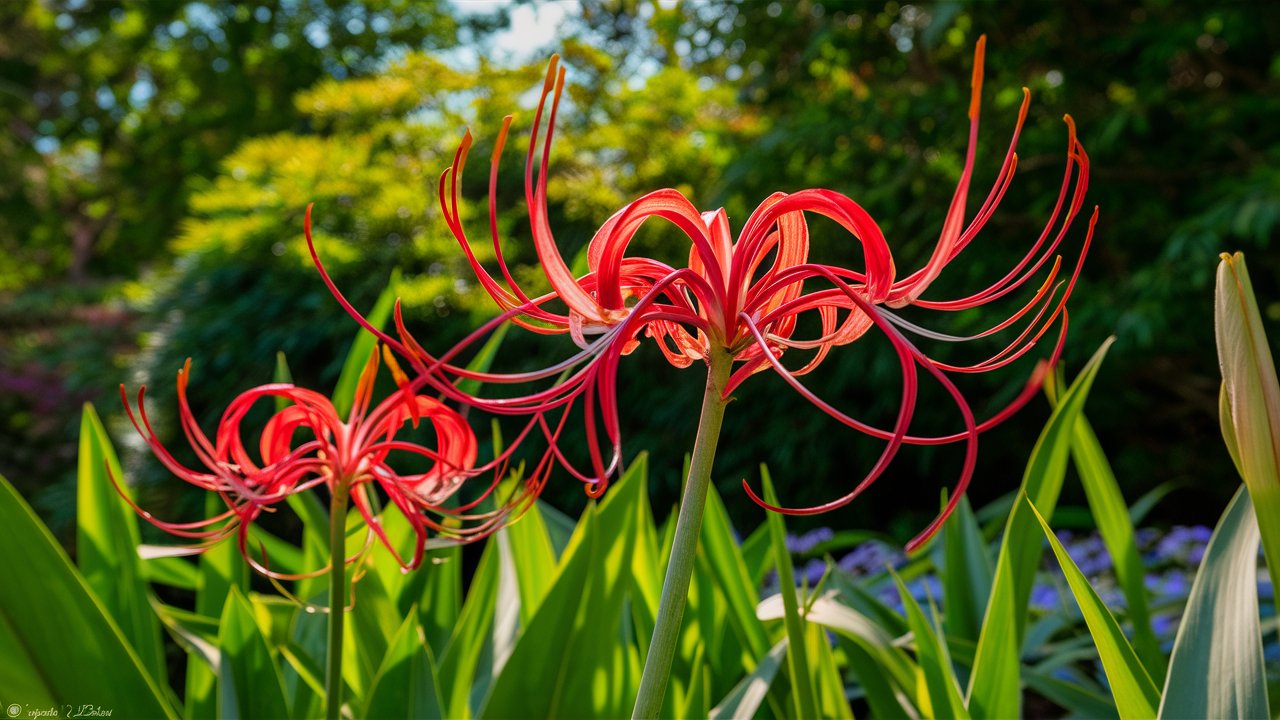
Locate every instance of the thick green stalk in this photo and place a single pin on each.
(337, 597)
(675, 587)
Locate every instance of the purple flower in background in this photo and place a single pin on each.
(801, 544)
(812, 572)
(1183, 543)
(1045, 597)
(870, 558)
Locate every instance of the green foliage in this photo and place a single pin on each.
(1135, 694)
(1216, 669)
(59, 644)
(546, 625)
(995, 687)
(117, 109)
(107, 542)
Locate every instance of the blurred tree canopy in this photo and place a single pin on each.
(115, 108)
(199, 133)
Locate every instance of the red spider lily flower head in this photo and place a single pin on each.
(745, 295)
(307, 444)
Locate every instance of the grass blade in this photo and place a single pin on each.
(966, 572)
(249, 679)
(748, 695)
(405, 686)
(931, 655)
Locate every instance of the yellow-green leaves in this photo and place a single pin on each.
(1250, 396)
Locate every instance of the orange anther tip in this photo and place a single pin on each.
(979, 53)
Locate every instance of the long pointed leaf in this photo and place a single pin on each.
(966, 573)
(1112, 516)
(58, 645)
(107, 542)
(249, 679)
(406, 685)
(749, 694)
(579, 623)
(220, 569)
(1135, 694)
(1217, 665)
(931, 655)
(797, 662)
(995, 686)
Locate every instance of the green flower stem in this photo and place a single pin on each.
(675, 587)
(337, 597)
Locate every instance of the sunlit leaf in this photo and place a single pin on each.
(249, 681)
(58, 646)
(1217, 668)
(107, 542)
(1111, 513)
(1135, 694)
(405, 686)
(995, 683)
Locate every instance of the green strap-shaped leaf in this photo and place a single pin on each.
(1217, 666)
(406, 685)
(1251, 397)
(472, 637)
(1111, 513)
(249, 681)
(724, 558)
(107, 542)
(220, 569)
(966, 572)
(995, 687)
(941, 687)
(797, 661)
(344, 392)
(828, 684)
(580, 623)
(1135, 694)
(749, 694)
(533, 559)
(58, 645)
(282, 375)
(894, 671)
(370, 624)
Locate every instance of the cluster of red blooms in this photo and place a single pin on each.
(742, 297)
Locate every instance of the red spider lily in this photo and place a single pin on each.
(747, 295)
(358, 452)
